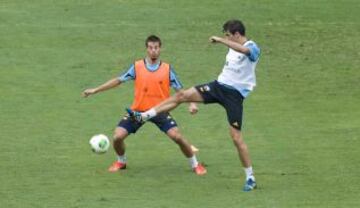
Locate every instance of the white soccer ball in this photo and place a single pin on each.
(99, 143)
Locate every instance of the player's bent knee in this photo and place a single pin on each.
(120, 134)
(175, 136)
(180, 96)
(118, 138)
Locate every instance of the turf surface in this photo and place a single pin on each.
(301, 123)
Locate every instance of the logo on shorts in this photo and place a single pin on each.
(235, 124)
(206, 88)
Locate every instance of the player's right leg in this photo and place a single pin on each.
(125, 127)
(189, 95)
(120, 134)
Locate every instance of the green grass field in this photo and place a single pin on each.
(302, 123)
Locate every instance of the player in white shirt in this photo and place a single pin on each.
(235, 82)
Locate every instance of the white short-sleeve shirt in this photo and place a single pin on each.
(239, 69)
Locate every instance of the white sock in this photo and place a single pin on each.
(249, 173)
(193, 161)
(149, 114)
(122, 158)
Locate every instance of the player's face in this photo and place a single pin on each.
(153, 50)
(232, 37)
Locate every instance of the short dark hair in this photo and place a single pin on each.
(152, 38)
(234, 26)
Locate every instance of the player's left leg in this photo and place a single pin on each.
(175, 135)
(240, 146)
(244, 158)
(186, 148)
(232, 101)
(167, 124)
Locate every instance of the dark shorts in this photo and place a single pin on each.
(163, 121)
(230, 99)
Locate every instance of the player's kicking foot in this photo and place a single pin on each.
(116, 166)
(135, 115)
(200, 170)
(250, 184)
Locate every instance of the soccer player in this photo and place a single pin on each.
(153, 79)
(232, 86)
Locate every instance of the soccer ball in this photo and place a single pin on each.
(99, 143)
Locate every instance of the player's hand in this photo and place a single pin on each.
(88, 92)
(193, 109)
(214, 39)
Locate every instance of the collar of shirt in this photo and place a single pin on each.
(152, 67)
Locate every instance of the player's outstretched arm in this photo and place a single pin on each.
(231, 44)
(107, 85)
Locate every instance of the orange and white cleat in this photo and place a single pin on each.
(116, 166)
(200, 170)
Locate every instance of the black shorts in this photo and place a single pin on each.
(230, 99)
(163, 121)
